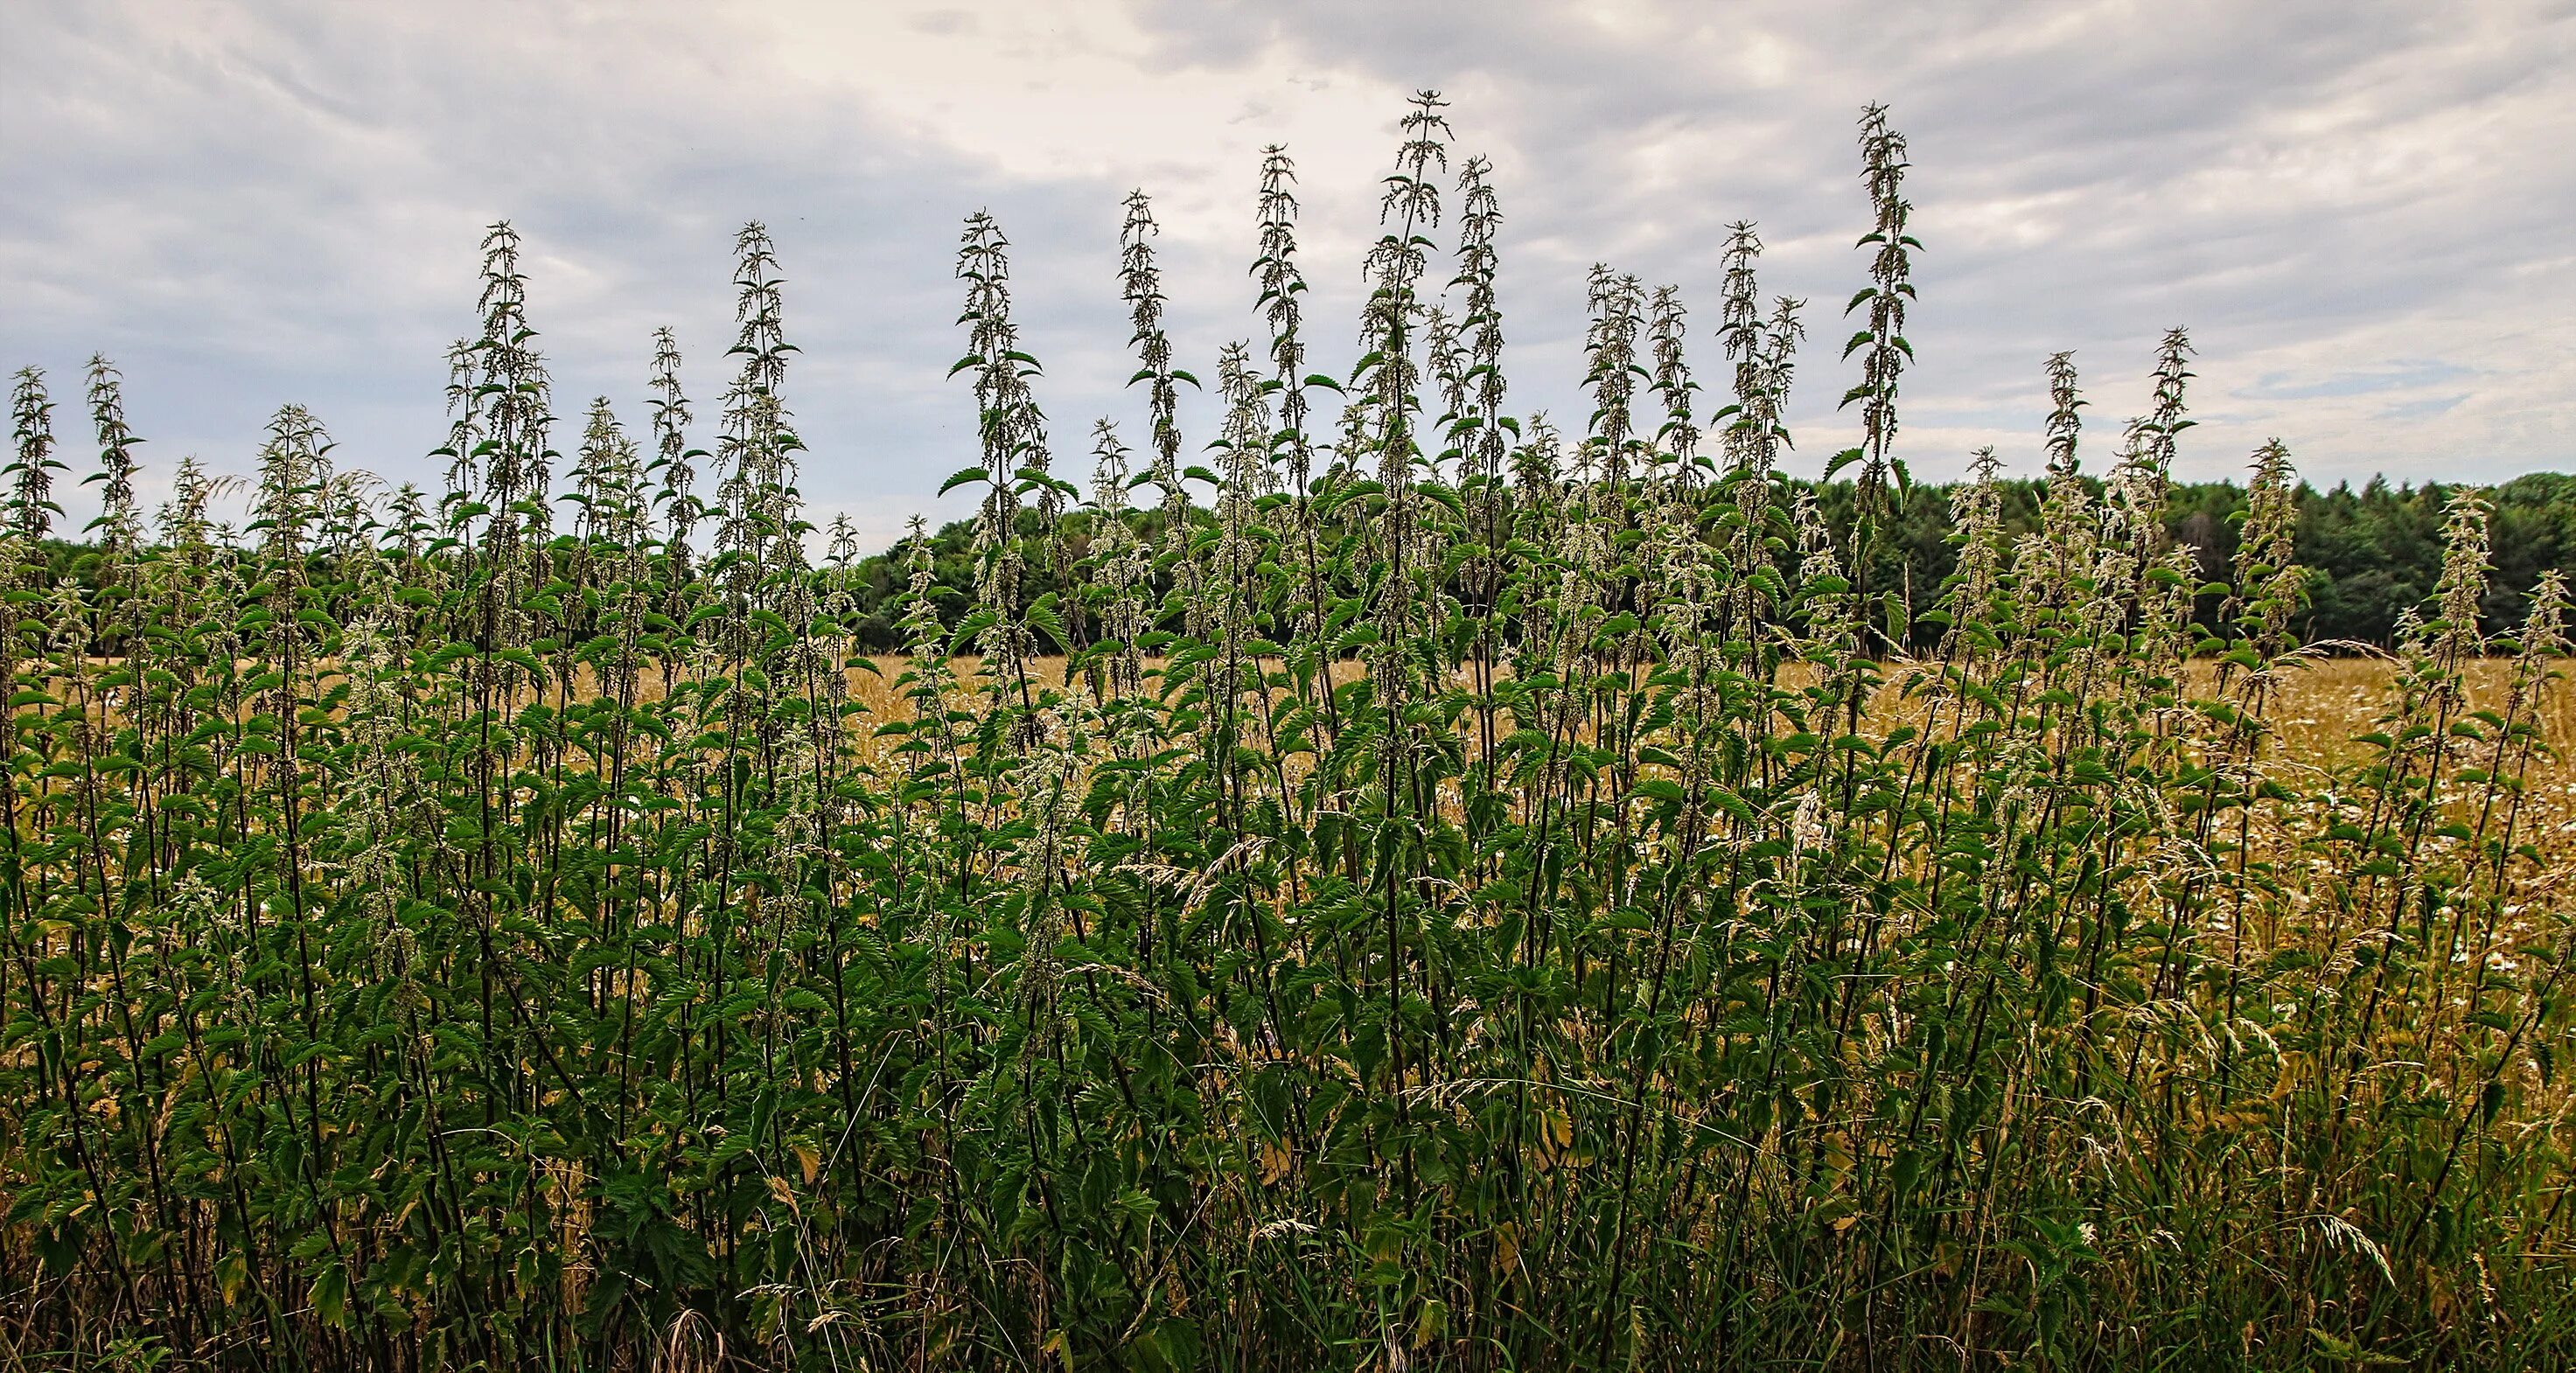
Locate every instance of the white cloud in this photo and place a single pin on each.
(2358, 208)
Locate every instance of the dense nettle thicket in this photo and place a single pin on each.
(1456, 893)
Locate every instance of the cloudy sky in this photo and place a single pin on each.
(2361, 210)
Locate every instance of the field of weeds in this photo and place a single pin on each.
(1454, 893)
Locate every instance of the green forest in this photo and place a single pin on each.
(2369, 552)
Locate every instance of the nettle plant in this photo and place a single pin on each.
(1467, 893)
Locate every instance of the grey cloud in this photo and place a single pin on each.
(2273, 176)
(289, 210)
(250, 206)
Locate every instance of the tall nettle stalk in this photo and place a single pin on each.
(33, 465)
(514, 401)
(1014, 440)
(673, 458)
(1881, 340)
(1140, 285)
(118, 528)
(1235, 574)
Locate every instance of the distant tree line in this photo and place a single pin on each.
(2370, 551)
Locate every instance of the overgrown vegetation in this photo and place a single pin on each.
(2368, 552)
(1472, 895)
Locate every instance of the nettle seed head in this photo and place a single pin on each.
(515, 395)
(2172, 377)
(196, 904)
(2065, 414)
(1394, 267)
(407, 518)
(2134, 513)
(2543, 641)
(385, 775)
(799, 826)
(761, 340)
(1891, 289)
(841, 548)
(372, 652)
(671, 451)
(464, 450)
(2544, 626)
(1140, 284)
(924, 637)
(1810, 826)
(1245, 435)
(2164, 620)
(1119, 566)
(1486, 445)
(1281, 284)
(1537, 490)
(1674, 549)
(31, 413)
(1767, 365)
(1976, 519)
(1583, 561)
(64, 612)
(1055, 778)
(1610, 345)
(2268, 580)
(601, 472)
(1832, 617)
(1769, 400)
(1002, 400)
(1442, 345)
(739, 542)
(1013, 435)
(1004, 641)
(346, 505)
(294, 466)
(119, 527)
(1108, 481)
(1667, 328)
(2413, 636)
(1739, 324)
(183, 519)
(1053, 781)
(2462, 587)
(2052, 560)
(1245, 480)
(759, 448)
(1574, 617)
(1411, 201)
(1686, 590)
(2109, 590)
(1480, 218)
